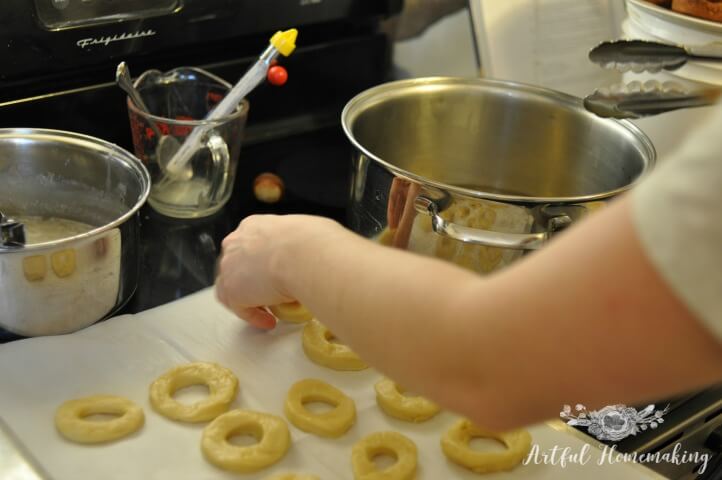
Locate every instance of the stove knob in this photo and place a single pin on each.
(268, 188)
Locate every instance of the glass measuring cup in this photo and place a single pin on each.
(178, 101)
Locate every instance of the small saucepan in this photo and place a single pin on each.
(68, 230)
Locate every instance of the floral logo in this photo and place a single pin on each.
(615, 422)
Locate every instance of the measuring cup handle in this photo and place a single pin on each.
(221, 158)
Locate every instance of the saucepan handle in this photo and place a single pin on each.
(515, 241)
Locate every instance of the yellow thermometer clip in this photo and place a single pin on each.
(285, 42)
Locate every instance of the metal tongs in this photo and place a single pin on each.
(645, 56)
(636, 99)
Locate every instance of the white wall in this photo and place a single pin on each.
(446, 48)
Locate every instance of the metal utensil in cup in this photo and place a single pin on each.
(167, 144)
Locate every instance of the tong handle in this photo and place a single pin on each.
(637, 100)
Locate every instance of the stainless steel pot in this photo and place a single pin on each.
(60, 286)
(477, 171)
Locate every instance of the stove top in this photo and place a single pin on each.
(178, 256)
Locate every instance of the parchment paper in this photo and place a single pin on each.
(122, 356)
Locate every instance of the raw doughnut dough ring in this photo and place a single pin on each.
(293, 476)
(318, 347)
(333, 423)
(221, 382)
(270, 431)
(455, 444)
(292, 312)
(411, 409)
(70, 421)
(380, 443)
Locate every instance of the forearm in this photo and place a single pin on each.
(392, 307)
(585, 320)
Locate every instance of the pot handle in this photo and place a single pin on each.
(12, 233)
(515, 241)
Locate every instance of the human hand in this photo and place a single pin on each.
(255, 256)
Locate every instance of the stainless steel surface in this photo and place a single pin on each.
(489, 238)
(125, 82)
(647, 56)
(16, 463)
(637, 100)
(492, 157)
(63, 285)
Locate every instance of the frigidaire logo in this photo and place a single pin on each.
(105, 41)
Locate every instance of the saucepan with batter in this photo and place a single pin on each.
(68, 229)
(479, 171)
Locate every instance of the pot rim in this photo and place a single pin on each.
(392, 89)
(80, 139)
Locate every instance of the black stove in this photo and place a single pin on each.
(179, 256)
(60, 56)
(688, 438)
(59, 59)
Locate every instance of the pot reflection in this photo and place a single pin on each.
(44, 290)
